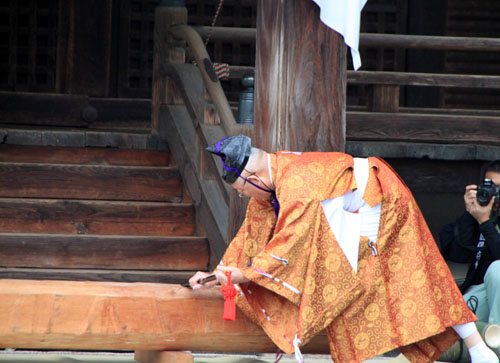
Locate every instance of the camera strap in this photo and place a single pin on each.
(480, 246)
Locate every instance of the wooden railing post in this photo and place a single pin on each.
(384, 98)
(166, 48)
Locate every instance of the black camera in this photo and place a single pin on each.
(486, 191)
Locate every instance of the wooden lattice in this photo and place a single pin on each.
(382, 17)
(28, 45)
(136, 50)
(472, 19)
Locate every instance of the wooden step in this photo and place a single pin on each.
(85, 156)
(64, 274)
(96, 217)
(103, 252)
(23, 180)
(124, 316)
(77, 137)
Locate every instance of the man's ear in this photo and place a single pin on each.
(253, 178)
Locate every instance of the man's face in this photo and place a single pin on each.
(495, 178)
(246, 189)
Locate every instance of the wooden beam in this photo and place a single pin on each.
(374, 40)
(428, 42)
(125, 316)
(423, 79)
(300, 85)
(43, 109)
(438, 128)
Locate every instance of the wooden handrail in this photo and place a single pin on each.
(223, 34)
(405, 78)
(429, 42)
(374, 40)
(189, 122)
(214, 88)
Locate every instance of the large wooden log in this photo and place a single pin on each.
(125, 316)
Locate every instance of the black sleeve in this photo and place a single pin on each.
(458, 241)
(491, 237)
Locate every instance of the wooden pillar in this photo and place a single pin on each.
(85, 47)
(167, 14)
(384, 98)
(300, 79)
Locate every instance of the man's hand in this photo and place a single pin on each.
(236, 275)
(193, 281)
(480, 213)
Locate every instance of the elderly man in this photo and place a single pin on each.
(338, 243)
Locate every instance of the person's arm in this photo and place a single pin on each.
(482, 215)
(254, 233)
(458, 240)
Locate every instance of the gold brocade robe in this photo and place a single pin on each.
(301, 282)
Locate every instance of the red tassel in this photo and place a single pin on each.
(229, 293)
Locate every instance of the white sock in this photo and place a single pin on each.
(465, 330)
(480, 353)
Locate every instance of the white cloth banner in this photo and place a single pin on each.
(343, 16)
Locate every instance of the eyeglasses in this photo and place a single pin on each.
(240, 194)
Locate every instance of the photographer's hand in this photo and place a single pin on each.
(480, 213)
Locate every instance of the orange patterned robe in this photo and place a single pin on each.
(301, 282)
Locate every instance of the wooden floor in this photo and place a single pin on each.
(102, 357)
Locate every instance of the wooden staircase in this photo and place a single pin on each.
(96, 213)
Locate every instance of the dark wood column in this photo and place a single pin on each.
(85, 47)
(300, 79)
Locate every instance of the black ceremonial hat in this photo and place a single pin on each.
(234, 152)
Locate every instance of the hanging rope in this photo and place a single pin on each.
(221, 70)
(209, 34)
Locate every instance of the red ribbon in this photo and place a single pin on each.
(229, 293)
